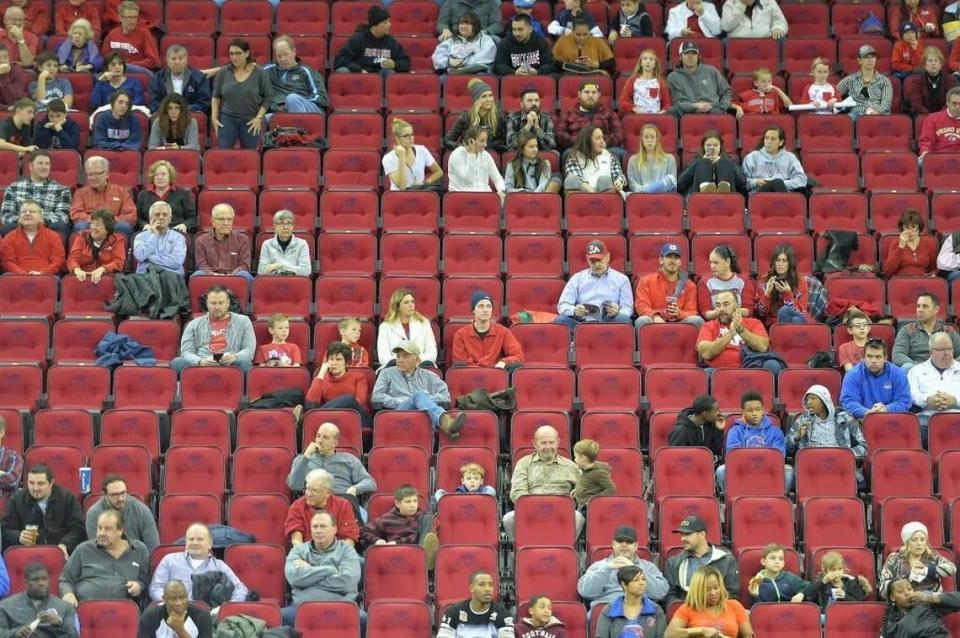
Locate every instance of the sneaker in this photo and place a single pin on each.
(708, 187)
(430, 544)
(723, 187)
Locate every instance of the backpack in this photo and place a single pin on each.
(240, 626)
(283, 136)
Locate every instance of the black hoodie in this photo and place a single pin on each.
(688, 434)
(511, 55)
(921, 620)
(363, 52)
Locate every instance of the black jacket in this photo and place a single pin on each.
(821, 593)
(151, 619)
(362, 52)
(688, 434)
(157, 293)
(47, 138)
(61, 524)
(196, 90)
(182, 202)
(511, 55)
(921, 621)
(703, 170)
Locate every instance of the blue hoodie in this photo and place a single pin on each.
(764, 435)
(862, 389)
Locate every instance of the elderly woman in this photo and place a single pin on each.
(632, 609)
(196, 558)
(914, 252)
(284, 254)
(161, 185)
(99, 250)
(710, 610)
(79, 53)
(241, 97)
(115, 78)
(916, 561)
(925, 91)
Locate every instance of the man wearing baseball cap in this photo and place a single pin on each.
(599, 583)
(667, 295)
(406, 386)
(871, 90)
(597, 293)
(484, 342)
(698, 552)
(696, 87)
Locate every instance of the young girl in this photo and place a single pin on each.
(833, 583)
(645, 91)
(713, 171)
(820, 92)
(174, 128)
(528, 171)
(652, 170)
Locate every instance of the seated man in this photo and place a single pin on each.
(667, 295)
(338, 387)
(131, 40)
(53, 197)
(940, 131)
(351, 480)
(180, 78)
(98, 194)
(543, 471)
(197, 558)
(318, 495)
(297, 88)
(43, 514)
(698, 552)
(326, 568)
(935, 383)
(589, 111)
(218, 338)
(159, 245)
(700, 425)
(32, 248)
(57, 131)
(22, 44)
(139, 523)
(912, 343)
(696, 87)
(875, 384)
(13, 80)
(523, 52)
(599, 583)
(597, 293)
(721, 340)
(406, 386)
(176, 616)
(530, 119)
(479, 615)
(223, 250)
(405, 524)
(55, 618)
(483, 342)
(16, 132)
(108, 568)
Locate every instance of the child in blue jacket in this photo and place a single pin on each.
(754, 429)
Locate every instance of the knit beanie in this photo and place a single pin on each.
(912, 528)
(376, 14)
(477, 297)
(477, 88)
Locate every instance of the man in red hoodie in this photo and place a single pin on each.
(134, 42)
(32, 248)
(941, 131)
(483, 342)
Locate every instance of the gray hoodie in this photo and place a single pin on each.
(846, 428)
(784, 165)
(334, 573)
(599, 583)
(138, 521)
(703, 84)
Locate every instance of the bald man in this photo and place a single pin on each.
(176, 616)
(223, 250)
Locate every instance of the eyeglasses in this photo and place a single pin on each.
(408, 135)
(943, 349)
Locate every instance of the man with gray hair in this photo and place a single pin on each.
(935, 383)
(99, 194)
(318, 496)
(22, 44)
(297, 88)
(158, 244)
(223, 250)
(284, 253)
(180, 78)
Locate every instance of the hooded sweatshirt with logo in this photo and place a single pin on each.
(703, 84)
(862, 389)
(784, 165)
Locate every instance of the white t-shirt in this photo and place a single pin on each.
(646, 94)
(416, 173)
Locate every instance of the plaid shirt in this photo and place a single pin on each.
(879, 92)
(545, 134)
(11, 464)
(575, 119)
(53, 197)
(392, 527)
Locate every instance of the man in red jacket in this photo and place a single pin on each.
(483, 342)
(32, 248)
(318, 495)
(667, 295)
(941, 131)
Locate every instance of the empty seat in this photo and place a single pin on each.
(533, 293)
(754, 472)
(897, 472)
(834, 521)
(533, 212)
(797, 620)
(667, 343)
(195, 469)
(548, 571)
(397, 619)
(627, 466)
(109, 618)
(683, 471)
(338, 618)
(890, 170)
(543, 344)
(544, 388)
(605, 344)
(257, 514)
(758, 520)
(611, 428)
(350, 91)
(838, 211)
(261, 469)
(469, 519)
(609, 388)
(472, 254)
(64, 427)
(262, 380)
(825, 472)
(832, 170)
(670, 388)
(205, 387)
(394, 466)
(715, 213)
(85, 298)
(395, 572)
(471, 212)
(150, 388)
(654, 212)
(260, 567)
(128, 426)
(77, 386)
(28, 340)
(353, 130)
(179, 511)
(28, 295)
(20, 386)
(796, 343)
(777, 212)
(855, 620)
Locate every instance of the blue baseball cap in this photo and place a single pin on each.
(670, 249)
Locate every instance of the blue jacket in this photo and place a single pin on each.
(103, 90)
(765, 435)
(115, 348)
(861, 389)
(117, 135)
(196, 90)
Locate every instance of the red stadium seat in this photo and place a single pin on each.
(299, 167)
(628, 50)
(64, 427)
(849, 48)
(403, 427)
(667, 343)
(19, 557)
(267, 428)
(351, 169)
(533, 212)
(64, 460)
(693, 126)
(260, 567)
(594, 212)
(854, 620)
(846, 18)
(603, 344)
(799, 52)
(28, 295)
(778, 620)
(533, 293)
(405, 211)
(348, 210)
(627, 465)
(195, 469)
(898, 472)
(257, 514)
(417, 92)
(729, 384)
(346, 252)
(246, 17)
(777, 212)
(796, 343)
(455, 564)
(548, 571)
(543, 344)
(902, 292)
(338, 618)
(355, 91)
(897, 512)
(471, 212)
(287, 295)
(513, 86)
(109, 618)
(267, 612)
(838, 211)
(405, 253)
(77, 386)
(716, 213)
(823, 133)
(668, 387)
(885, 133)
(891, 431)
(937, 169)
(793, 383)
(220, 387)
(131, 461)
(179, 511)
(302, 17)
(544, 388)
(20, 386)
(649, 212)
(833, 520)
(675, 469)
(396, 619)
(129, 427)
(393, 572)
(345, 296)
(886, 208)
(201, 48)
(302, 202)
(745, 55)
(197, 426)
(472, 253)
(674, 509)
(758, 520)
(890, 170)
(27, 341)
(606, 513)
(754, 472)
(457, 293)
(611, 428)
(464, 380)
(394, 466)
(261, 469)
(86, 298)
(609, 388)
(230, 168)
(75, 340)
(577, 249)
(857, 289)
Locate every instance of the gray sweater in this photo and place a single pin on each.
(191, 137)
(242, 99)
(195, 342)
(347, 471)
(138, 521)
(784, 165)
(18, 611)
(334, 573)
(599, 583)
(92, 573)
(704, 84)
(640, 179)
(295, 259)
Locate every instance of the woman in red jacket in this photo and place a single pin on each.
(97, 251)
(912, 253)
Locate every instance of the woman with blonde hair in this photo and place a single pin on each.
(161, 185)
(406, 165)
(484, 113)
(403, 322)
(652, 170)
(709, 611)
(79, 53)
(925, 90)
(916, 561)
(645, 91)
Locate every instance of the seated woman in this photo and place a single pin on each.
(99, 250)
(472, 169)
(645, 91)
(925, 90)
(79, 53)
(528, 171)
(483, 113)
(632, 609)
(725, 275)
(113, 79)
(161, 183)
(916, 561)
(912, 253)
(770, 169)
(782, 295)
(590, 167)
(414, 159)
(710, 609)
(404, 323)
(871, 90)
(713, 171)
(469, 51)
(173, 126)
(652, 170)
(284, 254)
(579, 51)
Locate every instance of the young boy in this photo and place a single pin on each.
(48, 87)
(563, 23)
(278, 353)
(850, 353)
(57, 131)
(772, 584)
(823, 425)
(16, 132)
(471, 482)
(764, 97)
(525, 7)
(594, 475)
(907, 53)
(754, 429)
(349, 328)
(405, 524)
(630, 22)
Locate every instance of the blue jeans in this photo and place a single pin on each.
(299, 104)
(663, 185)
(789, 314)
(179, 364)
(235, 128)
(721, 476)
(349, 402)
(243, 273)
(572, 322)
(953, 275)
(122, 227)
(422, 402)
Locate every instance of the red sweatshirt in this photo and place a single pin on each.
(45, 254)
(67, 13)
(497, 345)
(753, 102)
(300, 513)
(352, 383)
(903, 261)
(137, 47)
(940, 133)
(905, 57)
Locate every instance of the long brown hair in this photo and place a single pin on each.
(173, 130)
(516, 164)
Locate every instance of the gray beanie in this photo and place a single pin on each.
(478, 88)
